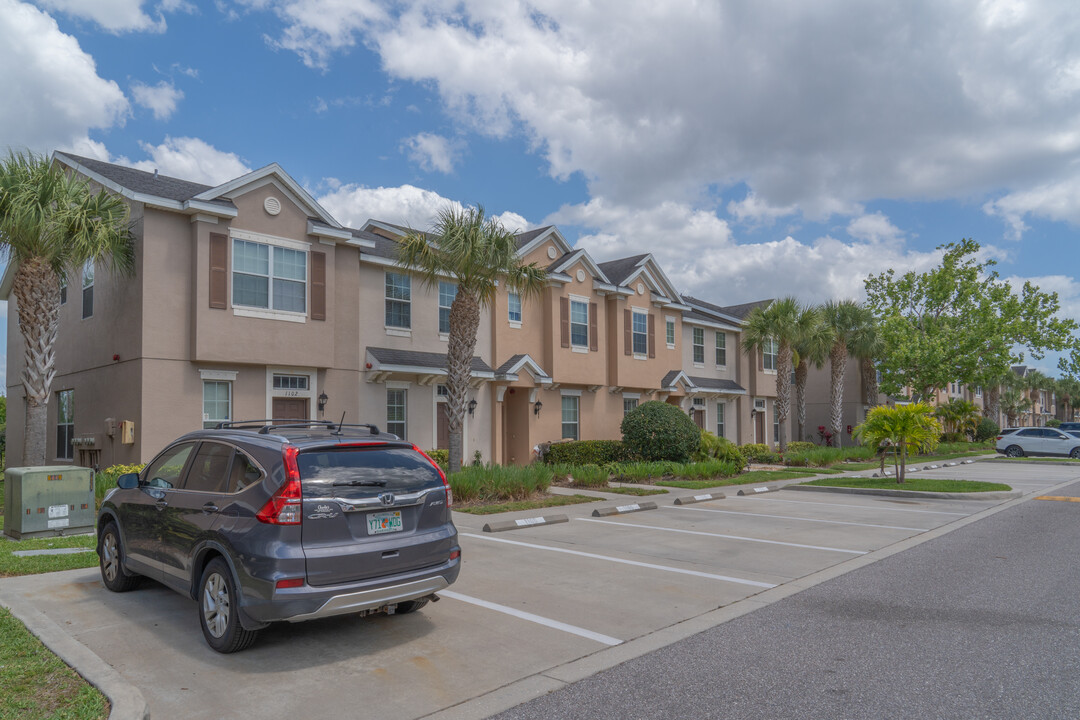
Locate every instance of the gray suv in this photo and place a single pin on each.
(261, 522)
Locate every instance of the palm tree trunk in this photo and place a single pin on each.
(869, 378)
(837, 363)
(903, 461)
(37, 294)
(464, 321)
(992, 408)
(783, 391)
(801, 373)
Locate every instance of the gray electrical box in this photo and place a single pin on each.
(46, 501)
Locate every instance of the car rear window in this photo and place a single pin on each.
(368, 469)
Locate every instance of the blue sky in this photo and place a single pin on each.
(756, 148)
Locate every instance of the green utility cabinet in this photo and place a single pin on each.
(46, 501)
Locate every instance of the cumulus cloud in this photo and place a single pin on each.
(113, 15)
(433, 153)
(160, 99)
(190, 159)
(1051, 201)
(353, 205)
(874, 228)
(56, 97)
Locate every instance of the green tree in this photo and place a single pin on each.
(958, 417)
(479, 253)
(778, 322)
(811, 347)
(1068, 390)
(848, 324)
(51, 223)
(1014, 403)
(959, 322)
(906, 429)
(1035, 382)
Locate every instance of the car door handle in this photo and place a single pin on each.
(161, 504)
(209, 508)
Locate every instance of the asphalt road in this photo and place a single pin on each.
(983, 622)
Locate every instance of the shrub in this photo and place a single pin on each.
(441, 458)
(497, 483)
(660, 431)
(953, 437)
(105, 480)
(985, 430)
(1053, 422)
(718, 448)
(759, 453)
(586, 452)
(590, 475)
(798, 446)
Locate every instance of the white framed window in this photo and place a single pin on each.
(579, 324)
(570, 417)
(699, 345)
(65, 424)
(398, 300)
(978, 391)
(396, 411)
(269, 277)
(629, 405)
(442, 391)
(640, 332)
(721, 349)
(217, 402)
(669, 325)
(514, 307)
(282, 381)
(447, 293)
(88, 289)
(720, 420)
(775, 423)
(769, 350)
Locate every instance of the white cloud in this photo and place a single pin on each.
(433, 153)
(113, 15)
(190, 159)
(874, 228)
(161, 99)
(752, 210)
(1051, 201)
(353, 205)
(56, 97)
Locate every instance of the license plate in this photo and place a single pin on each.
(386, 522)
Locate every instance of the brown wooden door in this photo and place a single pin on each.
(699, 418)
(442, 435)
(290, 409)
(759, 427)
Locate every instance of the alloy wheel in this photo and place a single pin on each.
(110, 558)
(215, 605)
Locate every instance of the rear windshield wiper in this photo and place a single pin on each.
(376, 483)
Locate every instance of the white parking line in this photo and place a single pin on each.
(635, 563)
(788, 517)
(727, 537)
(861, 507)
(547, 622)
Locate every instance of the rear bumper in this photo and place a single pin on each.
(374, 599)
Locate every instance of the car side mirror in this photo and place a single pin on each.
(128, 481)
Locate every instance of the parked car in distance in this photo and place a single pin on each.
(1067, 426)
(267, 521)
(1038, 441)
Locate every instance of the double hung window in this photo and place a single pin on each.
(217, 402)
(395, 412)
(88, 289)
(769, 350)
(721, 349)
(570, 417)
(720, 419)
(628, 405)
(514, 312)
(641, 333)
(447, 293)
(269, 277)
(579, 323)
(699, 345)
(670, 332)
(65, 424)
(398, 300)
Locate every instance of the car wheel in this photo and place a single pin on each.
(403, 608)
(1014, 451)
(110, 559)
(219, 610)
(1075, 454)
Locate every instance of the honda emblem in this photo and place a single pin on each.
(386, 498)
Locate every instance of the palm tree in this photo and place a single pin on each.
(993, 385)
(868, 347)
(811, 346)
(905, 428)
(776, 323)
(958, 416)
(1035, 382)
(848, 323)
(479, 253)
(1068, 389)
(1013, 403)
(52, 222)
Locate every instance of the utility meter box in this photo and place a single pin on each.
(46, 501)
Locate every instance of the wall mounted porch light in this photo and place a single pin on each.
(536, 408)
(472, 406)
(322, 401)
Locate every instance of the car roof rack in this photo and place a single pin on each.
(265, 427)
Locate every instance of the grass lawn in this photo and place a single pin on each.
(11, 565)
(918, 484)
(35, 684)
(916, 460)
(754, 476)
(532, 504)
(633, 490)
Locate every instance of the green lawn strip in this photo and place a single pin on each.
(916, 460)
(754, 476)
(633, 491)
(35, 684)
(921, 484)
(11, 564)
(515, 505)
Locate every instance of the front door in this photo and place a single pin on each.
(442, 435)
(699, 418)
(290, 409)
(759, 427)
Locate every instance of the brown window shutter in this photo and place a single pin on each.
(592, 327)
(219, 271)
(318, 286)
(564, 320)
(628, 331)
(652, 335)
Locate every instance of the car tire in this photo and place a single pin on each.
(1014, 451)
(1075, 454)
(110, 560)
(410, 606)
(219, 610)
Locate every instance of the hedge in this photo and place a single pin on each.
(586, 452)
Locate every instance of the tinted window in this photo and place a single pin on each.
(165, 471)
(1054, 434)
(1030, 432)
(378, 469)
(210, 469)
(244, 473)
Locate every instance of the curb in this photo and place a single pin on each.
(758, 490)
(699, 498)
(503, 525)
(992, 495)
(623, 509)
(126, 700)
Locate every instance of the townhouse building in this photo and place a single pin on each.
(250, 301)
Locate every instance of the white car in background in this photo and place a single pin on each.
(1038, 441)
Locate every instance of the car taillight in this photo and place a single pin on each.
(284, 506)
(1000, 436)
(289, 583)
(442, 476)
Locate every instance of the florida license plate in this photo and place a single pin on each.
(386, 522)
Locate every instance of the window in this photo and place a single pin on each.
(210, 469)
(63, 290)
(629, 404)
(165, 471)
(721, 349)
(88, 289)
(670, 326)
(775, 423)
(641, 333)
(65, 424)
(514, 313)
(269, 280)
(395, 412)
(244, 472)
(398, 297)
(719, 419)
(216, 402)
(699, 345)
(290, 382)
(769, 350)
(579, 323)
(978, 391)
(570, 417)
(442, 391)
(447, 293)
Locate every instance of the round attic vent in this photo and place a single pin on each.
(272, 205)
(551, 252)
(641, 288)
(581, 276)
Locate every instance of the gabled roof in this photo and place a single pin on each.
(582, 255)
(510, 369)
(722, 385)
(694, 317)
(524, 238)
(624, 271)
(529, 240)
(741, 311)
(1021, 370)
(706, 309)
(619, 270)
(272, 173)
(676, 376)
(417, 361)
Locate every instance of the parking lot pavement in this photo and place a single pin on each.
(533, 608)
